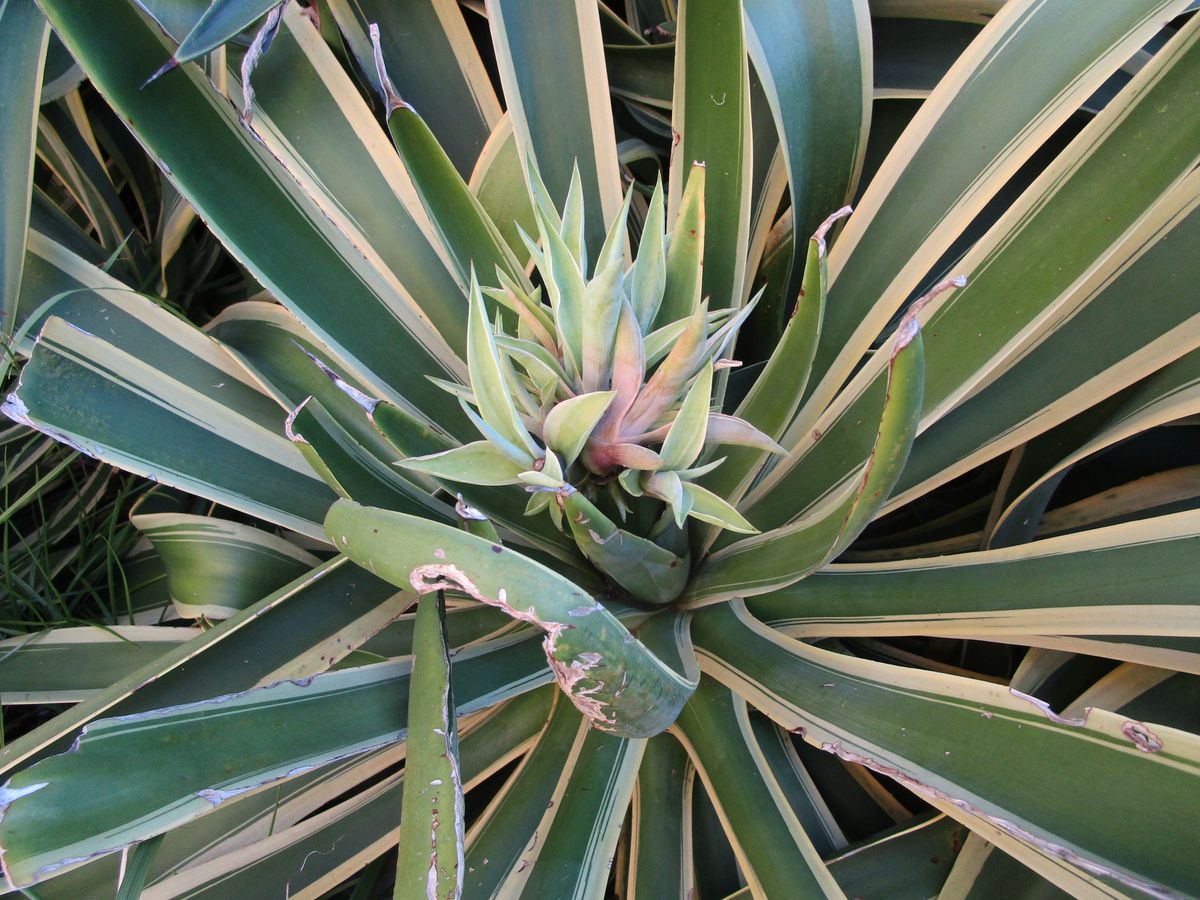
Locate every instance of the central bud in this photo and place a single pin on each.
(595, 394)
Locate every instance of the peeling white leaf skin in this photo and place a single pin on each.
(14, 408)
(446, 576)
(610, 676)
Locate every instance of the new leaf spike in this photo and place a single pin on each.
(624, 413)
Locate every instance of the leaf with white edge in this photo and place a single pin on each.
(660, 862)
(65, 665)
(1070, 256)
(911, 860)
(397, 332)
(710, 111)
(1173, 392)
(1011, 107)
(784, 555)
(1056, 769)
(563, 121)
(447, 81)
(618, 684)
(216, 567)
(316, 853)
(569, 424)
(773, 851)
(1122, 584)
(353, 459)
(431, 821)
(185, 429)
(24, 35)
(466, 230)
(552, 831)
(265, 735)
(221, 22)
(775, 395)
(498, 181)
(301, 629)
(1057, 379)
(815, 62)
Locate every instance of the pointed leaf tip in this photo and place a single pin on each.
(159, 72)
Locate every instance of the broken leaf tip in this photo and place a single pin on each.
(390, 95)
(823, 229)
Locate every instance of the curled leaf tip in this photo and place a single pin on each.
(390, 95)
(468, 512)
(909, 327)
(906, 333)
(823, 229)
(290, 422)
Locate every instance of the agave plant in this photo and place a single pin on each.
(840, 620)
